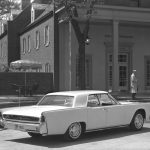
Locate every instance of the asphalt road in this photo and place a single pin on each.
(113, 139)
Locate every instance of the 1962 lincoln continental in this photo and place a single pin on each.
(74, 112)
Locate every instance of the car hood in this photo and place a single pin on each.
(34, 111)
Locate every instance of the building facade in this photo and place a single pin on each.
(120, 35)
(11, 24)
(37, 42)
(119, 32)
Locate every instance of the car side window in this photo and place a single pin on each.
(93, 101)
(105, 100)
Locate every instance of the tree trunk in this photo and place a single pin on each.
(82, 85)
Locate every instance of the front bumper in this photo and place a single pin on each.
(26, 127)
(1, 123)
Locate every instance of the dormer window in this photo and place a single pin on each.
(37, 10)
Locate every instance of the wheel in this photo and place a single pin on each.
(34, 135)
(74, 131)
(137, 121)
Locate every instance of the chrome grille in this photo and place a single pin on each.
(20, 118)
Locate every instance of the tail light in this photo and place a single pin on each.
(42, 120)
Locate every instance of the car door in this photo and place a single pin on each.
(96, 115)
(115, 112)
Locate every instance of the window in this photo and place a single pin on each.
(24, 45)
(122, 75)
(122, 58)
(88, 71)
(123, 61)
(58, 100)
(46, 36)
(93, 101)
(47, 67)
(110, 76)
(37, 39)
(29, 43)
(106, 99)
(1, 49)
(147, 72)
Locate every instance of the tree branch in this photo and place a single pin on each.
(77, 29)
(86, 28)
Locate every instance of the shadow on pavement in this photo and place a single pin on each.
(59, 142)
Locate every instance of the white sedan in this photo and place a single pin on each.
(74, 112)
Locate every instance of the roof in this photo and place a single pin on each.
(48, 12)
(75, 93)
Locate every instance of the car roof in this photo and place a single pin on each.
(79, 92)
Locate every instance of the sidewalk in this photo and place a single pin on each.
(140, 97)
(12, 101)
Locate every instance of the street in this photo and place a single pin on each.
(112, 139)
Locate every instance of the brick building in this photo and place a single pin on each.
(11, 25)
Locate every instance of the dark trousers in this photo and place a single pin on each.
(133, 95)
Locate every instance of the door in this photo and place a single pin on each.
(123, 64)
(115, 112)
(116, 115)
(96, 115)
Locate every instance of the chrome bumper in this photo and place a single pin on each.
(26, 127)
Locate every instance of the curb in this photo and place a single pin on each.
(131, 100)
(15, 104)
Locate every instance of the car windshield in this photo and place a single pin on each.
(59, 100)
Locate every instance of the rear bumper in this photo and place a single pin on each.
(26, 127)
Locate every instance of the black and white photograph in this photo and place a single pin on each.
(74, 74)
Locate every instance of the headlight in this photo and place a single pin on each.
(43, 127)
(1, 120)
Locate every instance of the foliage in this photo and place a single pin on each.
(7, 5)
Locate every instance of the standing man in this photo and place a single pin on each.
(133, 84)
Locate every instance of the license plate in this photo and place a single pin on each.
(19, 127)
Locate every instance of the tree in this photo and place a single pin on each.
(71, 9)
(7, 5)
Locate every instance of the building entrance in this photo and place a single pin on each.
(123, 69)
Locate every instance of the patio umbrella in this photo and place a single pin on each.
(25, 65)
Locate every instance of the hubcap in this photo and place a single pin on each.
(75, 130)
(138, 121)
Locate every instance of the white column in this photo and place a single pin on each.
(115, 55)
(70, 58)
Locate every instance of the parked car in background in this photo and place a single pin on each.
(73, 113)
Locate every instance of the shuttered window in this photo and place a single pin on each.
(147, 72)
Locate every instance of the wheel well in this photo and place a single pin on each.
(142, 111)
(83, 125)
